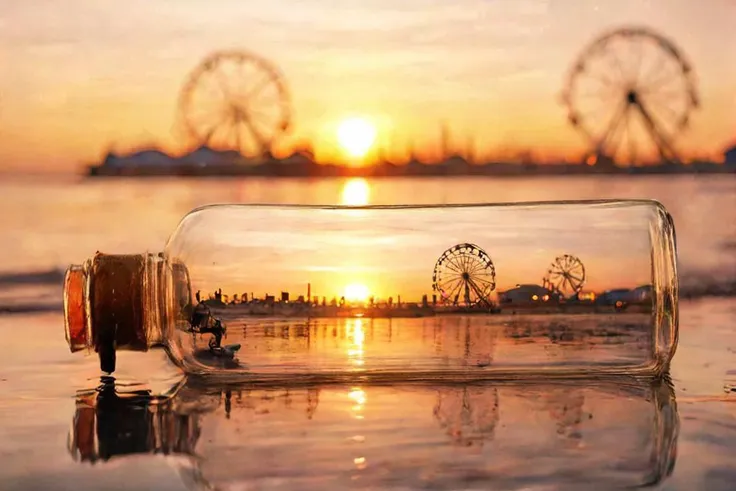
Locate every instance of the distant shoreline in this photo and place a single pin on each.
(207, 162)
(404, 176)
(320, 171)
(303, 311)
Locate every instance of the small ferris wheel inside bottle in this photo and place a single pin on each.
(263, 292)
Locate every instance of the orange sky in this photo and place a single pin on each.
(83, 75)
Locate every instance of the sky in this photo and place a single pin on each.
(84, 76)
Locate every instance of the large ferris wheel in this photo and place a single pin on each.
(464, 276)
(631, 93)
(235, 100)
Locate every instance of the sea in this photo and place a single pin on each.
(63, 426)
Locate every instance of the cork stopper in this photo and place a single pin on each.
(105, 303)
(75, 308)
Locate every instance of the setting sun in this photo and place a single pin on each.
(356, 136)
(356, 292)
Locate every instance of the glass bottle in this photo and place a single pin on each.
(263, 292)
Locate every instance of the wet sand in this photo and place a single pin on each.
(54, 438)
(365, 436)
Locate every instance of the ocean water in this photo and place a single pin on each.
(57, 432)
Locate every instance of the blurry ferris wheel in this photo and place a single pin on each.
(235, 100)
(631, 93)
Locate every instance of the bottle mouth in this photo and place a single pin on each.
(76, 308)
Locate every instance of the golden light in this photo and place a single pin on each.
(360, 462)
(586, 296)
(356, 192)
(356, 292)
(357, 338)
(357, 395)
(358, 334)
(356, 136)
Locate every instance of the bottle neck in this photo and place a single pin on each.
(116, 302)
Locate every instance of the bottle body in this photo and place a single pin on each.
(416, 291)
(263, 292)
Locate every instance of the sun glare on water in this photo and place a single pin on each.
(356, 136)
(356, 292)
(356, 192)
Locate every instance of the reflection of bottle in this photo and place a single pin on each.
(109, 424)
(365, 259)
(502, 434)
(620, 431)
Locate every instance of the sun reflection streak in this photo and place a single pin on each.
(356, 337)
(357, 395)
(356, 192)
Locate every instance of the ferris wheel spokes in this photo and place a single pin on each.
(630, 93)
(464, 275)
(565, 276)
(235, 101)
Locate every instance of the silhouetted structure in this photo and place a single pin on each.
(729, 157)
(301, 165)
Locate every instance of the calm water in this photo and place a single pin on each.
(508, 436)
